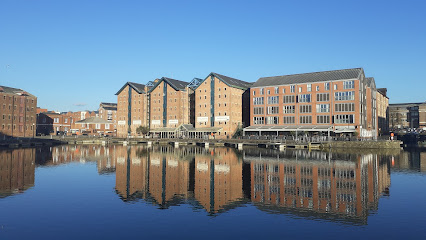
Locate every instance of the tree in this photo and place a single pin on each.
(142, 130)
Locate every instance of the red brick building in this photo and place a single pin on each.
(337, 102)
(18, 112)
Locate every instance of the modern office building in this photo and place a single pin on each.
(18, 112)
(222, 106)
(407, 115)
(132, 108)
(330, 102)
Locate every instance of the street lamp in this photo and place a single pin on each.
(33, 130)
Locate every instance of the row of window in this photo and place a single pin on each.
(306, 98)
(321, 119)
(320, 108)
(346, 85)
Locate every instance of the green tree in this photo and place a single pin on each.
(142, 130)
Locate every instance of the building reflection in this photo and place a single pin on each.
(17, 169)
(318, 184)
(410, 161)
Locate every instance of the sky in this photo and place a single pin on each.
(75, 54)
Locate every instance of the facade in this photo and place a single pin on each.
(95, 126)
(57, 123)
(407, 115)
(382, 111)
(18, 112)
(169, 106)
(330, 102)
(132, 108)
(108, 111)
(221, 106)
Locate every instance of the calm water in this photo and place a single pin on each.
(116, 192)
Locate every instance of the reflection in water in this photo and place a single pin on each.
(337, 187)
(16, 171)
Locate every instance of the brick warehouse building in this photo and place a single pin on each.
(108, 111)
(132, 108)
(339, 102)
(222, 106)
(169, 106)
(18, 112)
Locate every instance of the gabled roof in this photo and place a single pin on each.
(15, 91)
(139, 88)
(232, 82)
(93, 120)
(353, 73)
(175, 84)
(370, 82)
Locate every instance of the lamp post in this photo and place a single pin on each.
(33, 130)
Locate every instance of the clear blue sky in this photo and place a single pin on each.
(74, 54)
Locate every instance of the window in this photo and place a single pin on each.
(66, 120)
(271, 120)
(323, 97)
(327, 86)
(288, 109)
(323, 119)
(309, 87)
(349, 84)
(273, 100)
(258, 110)
(288, 120)
(317, 88)
(261, 91)
(322, 108)
(305, 119)
(300, 89)
(344, 96)
(56, 120)
(335, 86)
(269, 92)
(305, 108)
(304, 98)
(288, 99)
(258, 101)
(254, 93)
(292, 88)
(344, 118)
(272, 110)
(276, 90)
(344, 107)
(258, 120)
(283, 90)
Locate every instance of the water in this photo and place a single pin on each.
(115, 192)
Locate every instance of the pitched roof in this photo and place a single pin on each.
(176, 84)
(93, 120)
(16, 91)
(233, 82)
(139, 88)
(352, 73)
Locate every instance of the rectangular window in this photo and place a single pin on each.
(335, 86)
(288, 109)
(344, 107)
(272, 110)
(106, 126)
(288, 99)
(271, 120)
(273, 100)
(305, 119)
(323, 97)
(323, 108)
(283, 90)
(327, 86)
(258, 110)
(317, 88)
(300, 89)
(349, 84)
(288, 120)
(258, 101)
(254, 93)
(258, 120)
(344, 118)
(305, 108)
(344, 96)
(276, 90)
(261, 91)
(66, 120)
(309, 87)
(56, 120)
(292, 88)
(323, 119)
(304, 98)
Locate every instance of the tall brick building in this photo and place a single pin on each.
(132, 108)
(18, 112)
(382, 111)
(221, 106)
(407, 115)
(340, 102)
